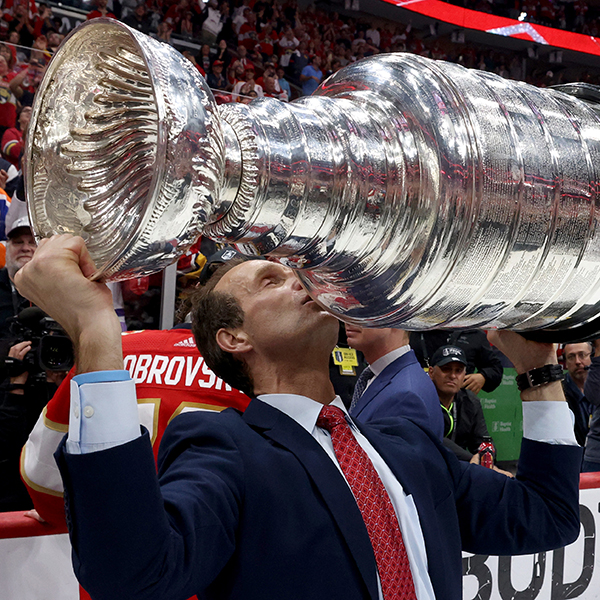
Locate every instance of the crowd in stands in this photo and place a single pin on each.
(256, 48)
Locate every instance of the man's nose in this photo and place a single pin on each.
(296, 285)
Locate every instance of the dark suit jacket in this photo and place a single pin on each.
(402, 389)
(249, 506)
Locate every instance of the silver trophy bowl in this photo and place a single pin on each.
(406, 192)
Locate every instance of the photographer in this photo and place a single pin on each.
(35, 366)
(20, 246)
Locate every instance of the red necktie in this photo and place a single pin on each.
(375, 506)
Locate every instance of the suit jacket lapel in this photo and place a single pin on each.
(282, 429)
(382, 381)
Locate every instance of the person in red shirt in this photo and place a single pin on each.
(247, 35)
(267, 39)
(8, 102)
(14, 138)
(101, 11)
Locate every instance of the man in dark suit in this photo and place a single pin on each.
(259, 505)
(396, 384)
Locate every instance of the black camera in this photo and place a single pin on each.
(51, 348)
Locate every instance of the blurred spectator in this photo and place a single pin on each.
(227, 33)
(298, 60)
(163, 33)
(246, 94)
(373, 34)
(139, 19)
(101, 10)
(22, 24)
(223, 55)
(311, 76)
(13, 138)
(335, 66)
(186, 26)
(43, 20)
(39, 50)
(271, 89)
(480, 355)
(236, 74)
(242, 58)
(8, 183)
(591, 458)
(212, 24)
(9, 54)
(577, 361)
(249, 84)
(24, 84)
(20, 54)
(54, 41)
(215, 78)
(205, 59)
(247, 34)
(8, 102)
(283, 83)
(175, 13)
(287, 45)
(267, 39)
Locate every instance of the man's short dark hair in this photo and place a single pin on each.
(211, 311)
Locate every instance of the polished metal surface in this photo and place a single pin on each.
(406, 192)
(113, 158)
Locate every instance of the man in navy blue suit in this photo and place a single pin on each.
(257, 505)
(398, 386)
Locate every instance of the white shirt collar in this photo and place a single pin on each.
(381, 363)
(300, 408)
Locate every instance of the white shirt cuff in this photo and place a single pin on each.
(549, 422)
(103, 414)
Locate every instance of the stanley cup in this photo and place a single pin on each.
(406, 192)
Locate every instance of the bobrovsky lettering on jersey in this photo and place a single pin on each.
(159, 369)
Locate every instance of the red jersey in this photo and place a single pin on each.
(171, 377)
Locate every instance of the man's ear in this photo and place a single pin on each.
(233, 341)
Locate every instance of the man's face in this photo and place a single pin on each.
(279, 316)
(24, 118)
(361, 338)
(577, 357)
(449, 378)
(19, 251)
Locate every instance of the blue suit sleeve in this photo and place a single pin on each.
(539, 510)
(169, 536)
